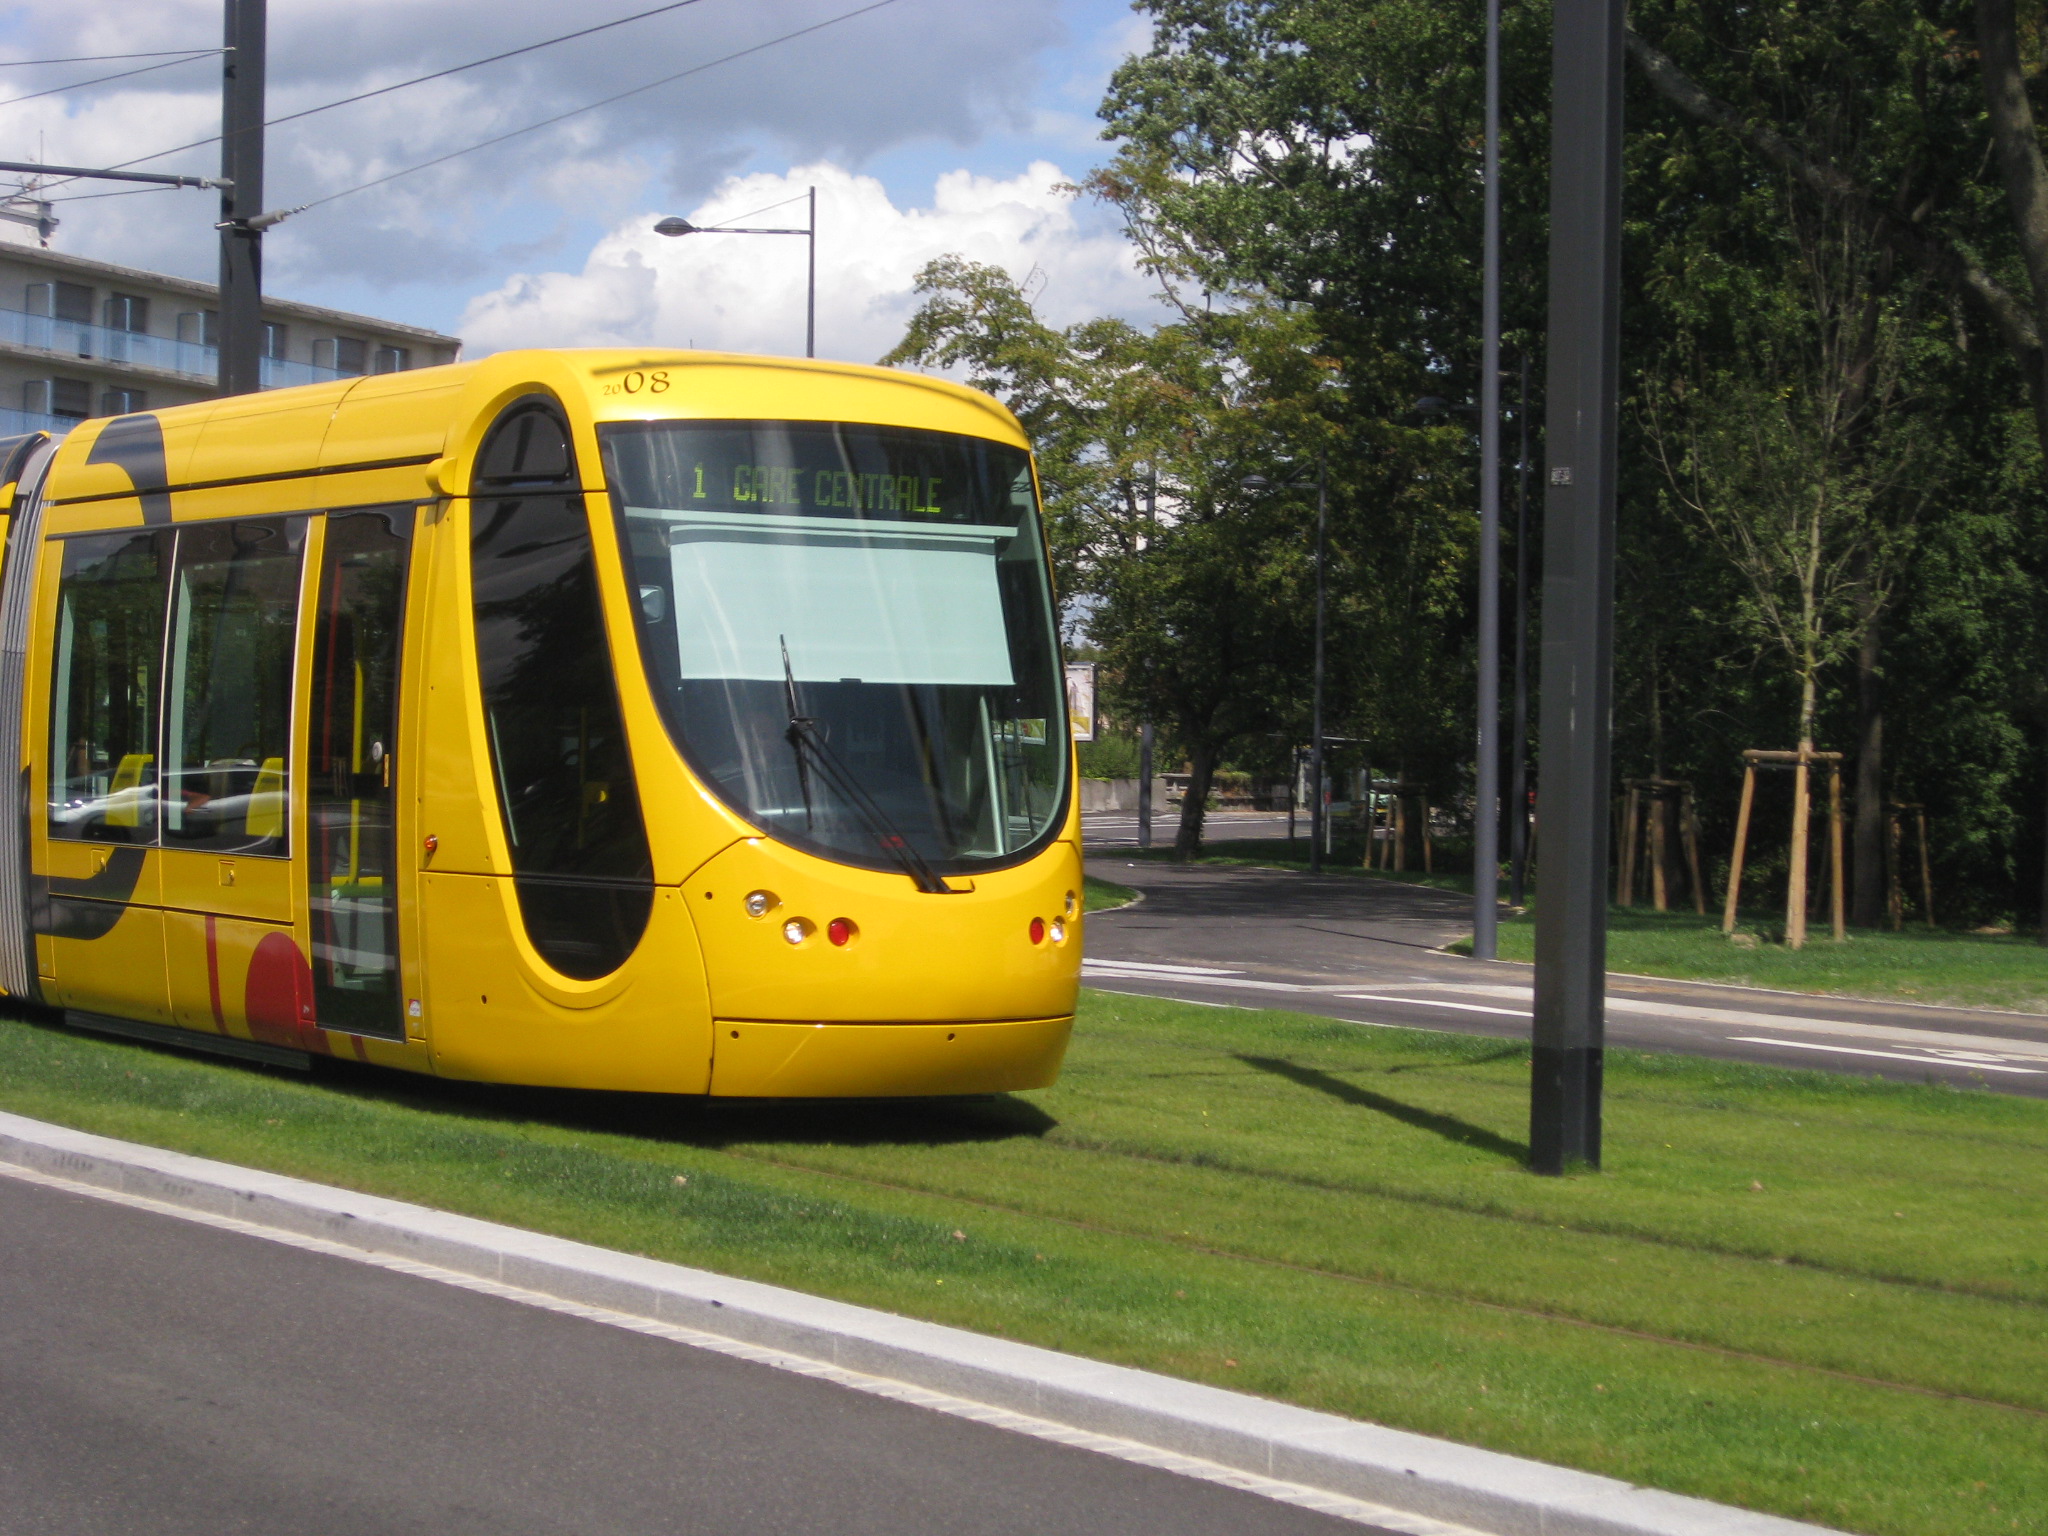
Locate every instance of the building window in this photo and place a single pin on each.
(126, 312)
(343, 354)
(123, 402)
(71, 398)
(61, 301)
(390, 360)
(199, 327)
(274, 338)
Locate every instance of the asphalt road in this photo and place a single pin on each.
(1119, 829)
(1367, 951)
(163, 1377)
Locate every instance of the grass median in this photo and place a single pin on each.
(1821, 1296)
(1914, 965)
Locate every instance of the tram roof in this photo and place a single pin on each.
(437, 415)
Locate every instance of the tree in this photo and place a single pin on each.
(1193, 589)
(1915, 185)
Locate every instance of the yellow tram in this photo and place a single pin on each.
(681, 723)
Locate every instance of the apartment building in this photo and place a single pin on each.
(83, 338)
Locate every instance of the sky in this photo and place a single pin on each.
(926, 126)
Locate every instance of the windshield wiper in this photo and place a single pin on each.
(809, 744)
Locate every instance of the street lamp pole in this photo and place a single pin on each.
(1518, 746)
(1486, 813)
(1258, 484)
(1317, 810)
(679, 227)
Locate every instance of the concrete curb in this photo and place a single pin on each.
(1438, 1479)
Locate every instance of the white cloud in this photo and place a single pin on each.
(914, 70)
(745, 293)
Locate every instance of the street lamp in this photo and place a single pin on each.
(679, 227)
(1258, 483)
(1486, 791)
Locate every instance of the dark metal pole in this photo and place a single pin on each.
(1578, 582)
(1486, 810)
(1145, 785)
(1317, 812)
(240, 332)
(1145, 730)
(1518, 748)
(811, 283)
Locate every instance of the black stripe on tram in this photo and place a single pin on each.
(214, 485)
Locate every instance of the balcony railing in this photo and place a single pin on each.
(99, 343)
(14, 423)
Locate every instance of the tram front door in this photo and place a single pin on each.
(351, 794)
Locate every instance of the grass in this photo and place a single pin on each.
(1104, 895)
(1821, 1296)
(1281, 853)
(1917, 965)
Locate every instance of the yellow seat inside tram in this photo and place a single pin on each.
(266, 801)
(124, 802)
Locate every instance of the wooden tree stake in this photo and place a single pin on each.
(1625, 877)
(1689, 830)
(1795, 884)
(1835, 839)
(1741, 845)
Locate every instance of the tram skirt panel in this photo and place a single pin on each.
(495, 1011)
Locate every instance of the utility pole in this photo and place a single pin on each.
(1578, 584)
(1518, 747)
(1486, 791)
(1319, 812)
(240, 332)
(1145, 730)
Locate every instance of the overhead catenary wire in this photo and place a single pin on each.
(705, 229)
(107, 58)
(126, 74)
(549, 122)
(438, 74)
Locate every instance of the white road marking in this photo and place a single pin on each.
(1187, 977)
(1192, 1002)
(1887, 1034)
(1925, 1061)
(1167, 970)
(1433, 1002)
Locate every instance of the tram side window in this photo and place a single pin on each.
(228, 696)
(104, 692)
(555, 733)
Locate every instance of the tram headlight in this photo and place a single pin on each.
(796, 930)
(1059, 930)
(1071, 904)
(760, 903)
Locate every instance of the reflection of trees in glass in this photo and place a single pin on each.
(557, 741)
(231, 675)
(109, 654)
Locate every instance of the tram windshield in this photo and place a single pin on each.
(850, 632)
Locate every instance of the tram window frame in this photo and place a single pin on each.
(112, 811)
(582, 864)
(267, 774)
